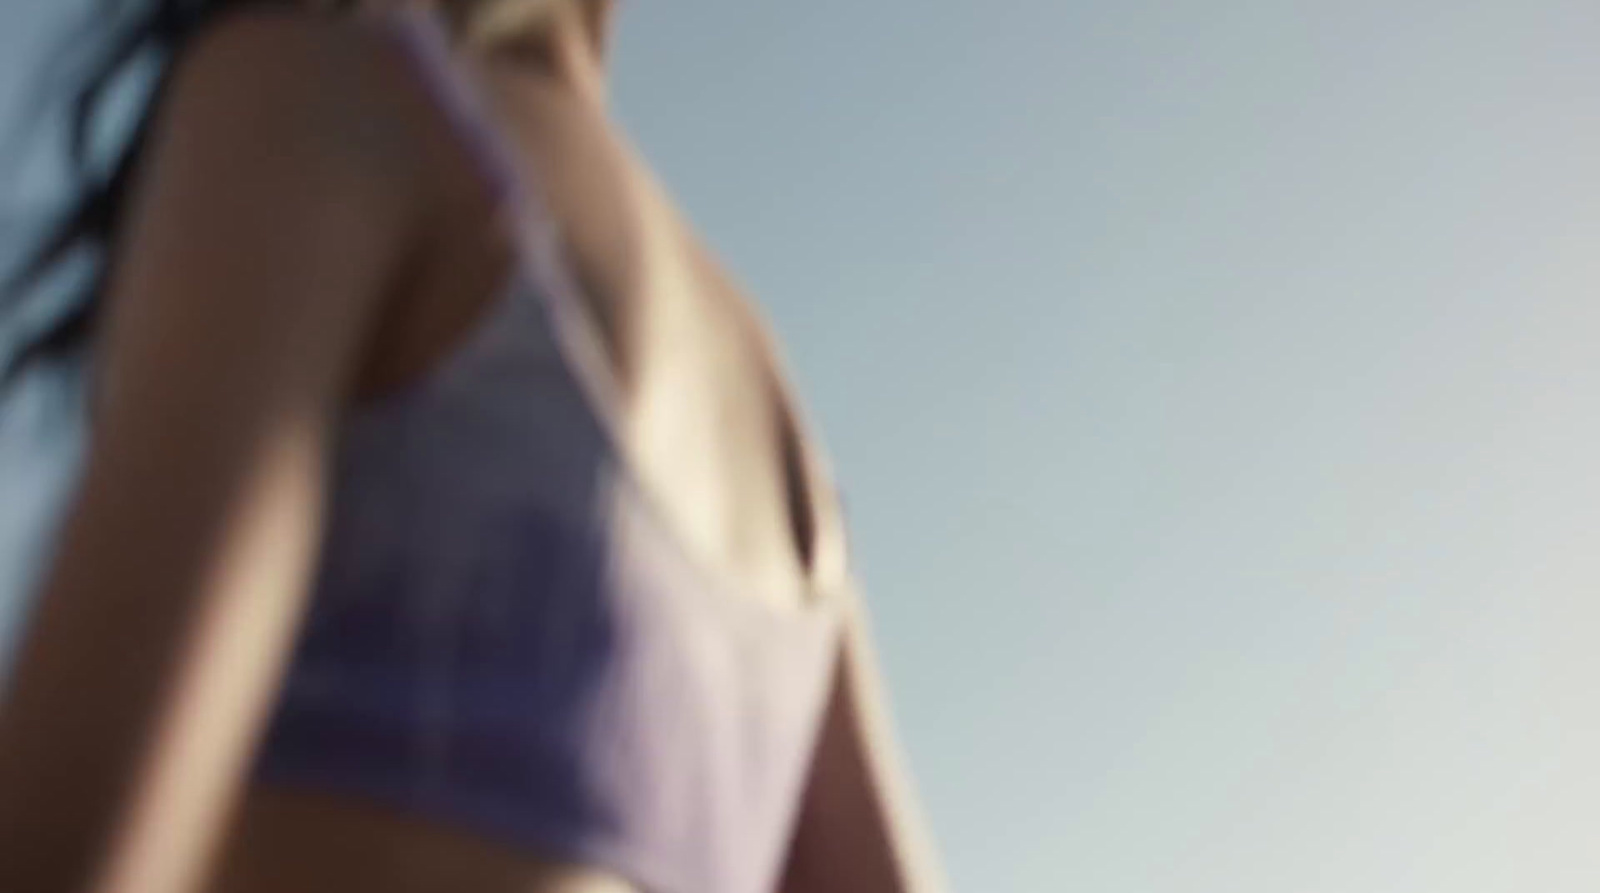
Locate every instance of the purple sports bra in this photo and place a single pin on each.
(507, 637)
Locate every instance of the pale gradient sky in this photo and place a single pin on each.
(1216, 394)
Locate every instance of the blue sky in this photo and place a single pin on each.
(1215, 392)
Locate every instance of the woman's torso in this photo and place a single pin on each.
(701, 420)
(705, 417)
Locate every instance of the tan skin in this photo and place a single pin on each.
(353, 257)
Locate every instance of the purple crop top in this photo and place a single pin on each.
(506, 637)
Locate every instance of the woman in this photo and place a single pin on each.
(446, 523)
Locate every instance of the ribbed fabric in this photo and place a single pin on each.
(507, 637)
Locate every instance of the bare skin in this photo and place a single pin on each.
(353, 258)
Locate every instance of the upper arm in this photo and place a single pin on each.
(277, 199)
(282, 193)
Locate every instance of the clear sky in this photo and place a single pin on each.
(1216, 393)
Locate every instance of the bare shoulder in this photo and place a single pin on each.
(310, 88)
(286, 170)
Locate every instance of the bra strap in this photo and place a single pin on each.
(541, 252)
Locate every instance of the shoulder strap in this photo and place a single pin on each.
(425, 35)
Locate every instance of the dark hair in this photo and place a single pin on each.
(124, 37)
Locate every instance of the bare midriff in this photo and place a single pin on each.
(286, 841)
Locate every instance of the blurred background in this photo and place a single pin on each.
(1216, 394)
